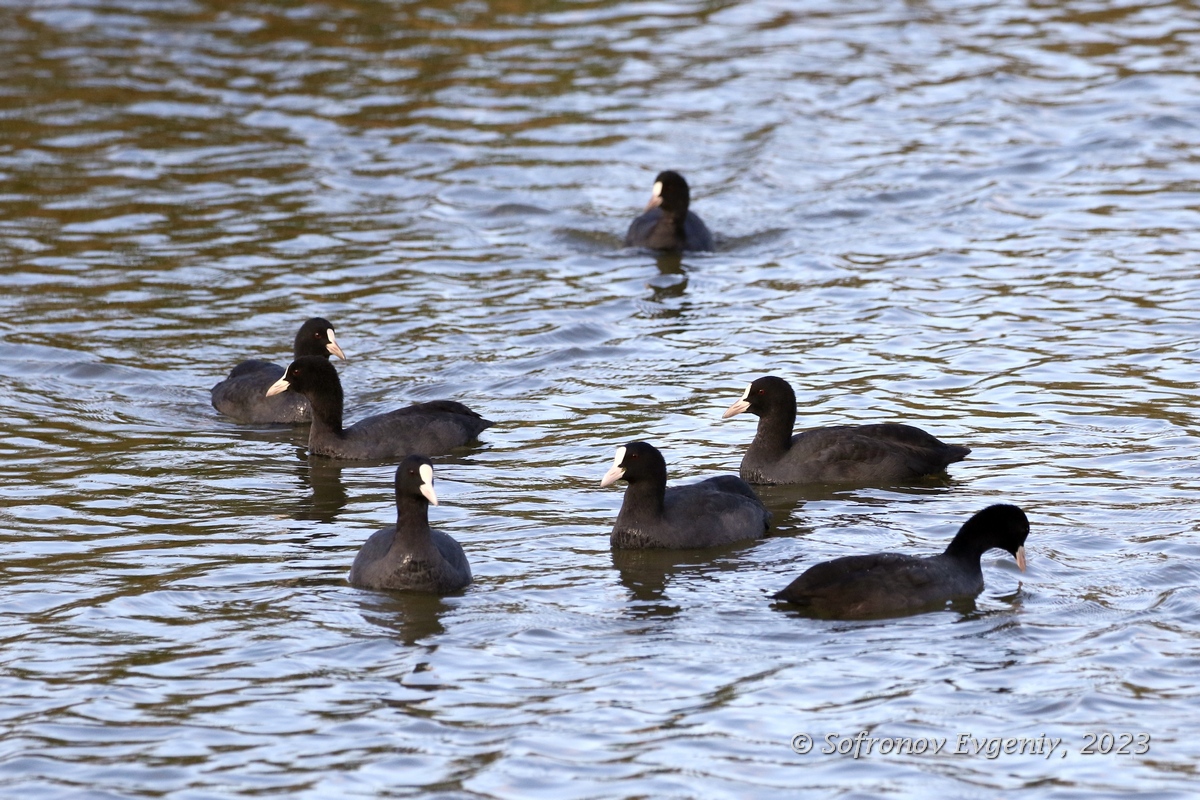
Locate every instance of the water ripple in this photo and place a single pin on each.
(971, 217)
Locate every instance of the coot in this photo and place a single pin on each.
(886, 584)
(243, 395)
(410, 555)
(432, 428)
(853, 454)
(711, 512)
(667, 224)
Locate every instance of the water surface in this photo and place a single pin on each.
(975, 218)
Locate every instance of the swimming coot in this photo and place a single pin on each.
(433, 428)
(711, 512)
(888, 584)
(243, 395)
(410, 555)
(854, 454)
(666, 224)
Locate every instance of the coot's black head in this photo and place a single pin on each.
(763, 396)
(671, 193)
(414, 480)
(636, 461)
(309, 375)
(316, 339)
(1002, 525)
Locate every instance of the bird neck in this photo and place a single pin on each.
(327, 410)
(679, 220)
(646, 496)
(775, 427)
(969, 544)
(412, 519)
(676, 205)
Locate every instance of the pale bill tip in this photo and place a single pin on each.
(655, 196)
(615, 471)
(426, 473)
(1021, 558)
(333, 347)
(738, 407)
(278, 386)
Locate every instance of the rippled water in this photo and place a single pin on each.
(977, 218)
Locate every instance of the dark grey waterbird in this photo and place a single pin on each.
(854, 454)
(888, 584)
(434, 428)
(410, 555)
(667, 224)
(705, 514)
(243, 395)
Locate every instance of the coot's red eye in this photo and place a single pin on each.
(762, 391)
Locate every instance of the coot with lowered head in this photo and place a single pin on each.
(890, 584)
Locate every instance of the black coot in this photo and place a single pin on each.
(667, 224)
(433, 428)
(853, 454)
(711, 512)
(410, 555)
(888, 584)
(243, 395)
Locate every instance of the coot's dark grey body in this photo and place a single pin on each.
(886, 584)
(410, 555)
(243, 394)
(853, 454)
(667, 224)
(433, 428)
(711, 512)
